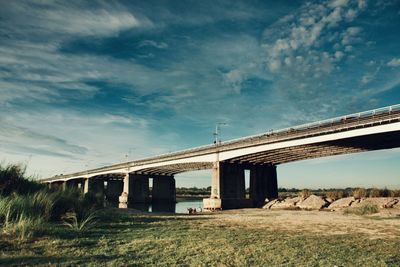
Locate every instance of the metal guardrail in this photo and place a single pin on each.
(306, 126)
(394, 109)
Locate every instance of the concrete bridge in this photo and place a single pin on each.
(128, 182)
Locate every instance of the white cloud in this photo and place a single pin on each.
(160, 45)
(395, 62)
(101, 18)
(338, 3)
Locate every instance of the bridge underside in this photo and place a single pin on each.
(323, 149)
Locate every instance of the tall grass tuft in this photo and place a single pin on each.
(359, 193)
(364, 209)
(79, 222)
(305, 193)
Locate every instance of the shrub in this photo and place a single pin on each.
(12, 180)
(23, 227)
(396, 193)
(375, 192)
(359, 193)
(364, 209)
(305, 193)
(80, 223)
(334, 194)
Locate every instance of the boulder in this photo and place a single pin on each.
(381, 202)
(270, 204)
(391, 203)
(313, 202)
(288, 203)
(341, 203)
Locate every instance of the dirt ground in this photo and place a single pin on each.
(385, 224)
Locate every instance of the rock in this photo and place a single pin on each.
(381, 202)
(270, 204)
(397, 205)
(329, 200)
(288, 203)
(391, 203)
(313, 202)
(341, 203)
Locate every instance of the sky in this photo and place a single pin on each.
(84, 84)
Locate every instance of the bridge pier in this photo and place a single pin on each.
(228, 186)
(114, 189)
(74, 183)
(164, 189)
(139, 191)
(135, 190)
(263, 183)
(95, 186)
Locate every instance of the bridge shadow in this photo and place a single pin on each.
(55, 261)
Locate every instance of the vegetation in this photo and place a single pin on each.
(149, 240)
(364, 209)
(335, 193)
(27, 206)
(193, 192)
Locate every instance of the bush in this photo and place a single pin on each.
(305, 193)
(335, 194)
(359, 193)
(23, 227)
(12, 180)
(375, 192)
(365, 209)
(79, 222)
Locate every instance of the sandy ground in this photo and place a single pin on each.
(385, 224)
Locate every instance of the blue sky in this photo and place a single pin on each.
(83, 84)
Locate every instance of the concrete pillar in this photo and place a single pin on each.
(263, 183)
(139, 188)
(73, 183)
(86, 185)
(227, 187)
(164, 189)
(114, 190)
(123, 198)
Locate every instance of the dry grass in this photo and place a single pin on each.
(251, 237)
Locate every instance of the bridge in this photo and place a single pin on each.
(260, 154)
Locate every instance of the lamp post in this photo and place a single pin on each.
(217, 132)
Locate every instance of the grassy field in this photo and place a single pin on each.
(240, 238)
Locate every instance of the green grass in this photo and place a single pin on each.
(138, 240)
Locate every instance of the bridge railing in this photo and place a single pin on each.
(324, 123)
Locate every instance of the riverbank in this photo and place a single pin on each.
(247, 237)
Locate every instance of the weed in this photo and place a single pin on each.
(79, 223)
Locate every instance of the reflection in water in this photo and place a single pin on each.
(180, 207)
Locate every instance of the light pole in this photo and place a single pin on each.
(217, 132)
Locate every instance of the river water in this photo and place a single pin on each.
(180, 207)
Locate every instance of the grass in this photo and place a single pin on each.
(138, 240)
(26, 206)
(364, 209)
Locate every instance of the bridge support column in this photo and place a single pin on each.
(135, 190)
(227, 187)
(72, 183)
(164, 189)
(263, 183)
(114, 190)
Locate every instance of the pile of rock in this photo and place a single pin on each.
(314, 202)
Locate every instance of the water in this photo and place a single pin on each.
(180, 207)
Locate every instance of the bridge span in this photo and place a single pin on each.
(128, 182)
